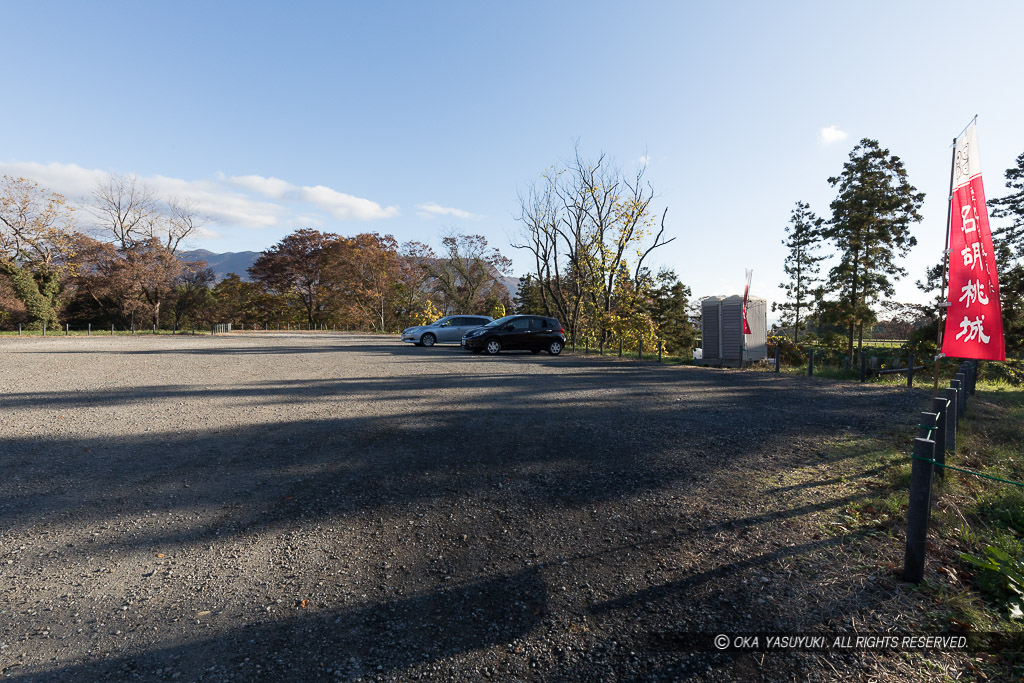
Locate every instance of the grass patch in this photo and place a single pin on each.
(970, 516)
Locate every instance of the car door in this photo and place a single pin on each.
(449, 331)
(462, 326)
(519, 336)
(541, 334)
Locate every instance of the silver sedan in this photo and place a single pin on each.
(447, 330)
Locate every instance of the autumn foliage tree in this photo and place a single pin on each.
(365, 272)
(297, 266)
(36, 226)
(147, 231)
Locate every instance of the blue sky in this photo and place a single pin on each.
(415, 118)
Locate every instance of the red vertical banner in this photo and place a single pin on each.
(746, 292)
(974, 317)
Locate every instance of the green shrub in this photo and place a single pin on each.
(1001, 576)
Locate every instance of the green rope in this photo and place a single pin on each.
(960, 469)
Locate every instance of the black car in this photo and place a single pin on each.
(517, 332)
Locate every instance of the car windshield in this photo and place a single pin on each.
(499, 322)
(439, 320)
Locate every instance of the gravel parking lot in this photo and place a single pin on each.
(340, 506)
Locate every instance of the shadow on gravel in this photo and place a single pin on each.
(519, 435)
(552, 483)
(373, 640)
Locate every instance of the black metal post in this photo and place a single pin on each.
(620, 347)
(863, 367)
(917, 511)
(926, 426)
(940, 406)
(810, 363)
(952, 418)
(778, 356)
(659, 350)
(640, 349)
(961, 395)
(910, 372)
(19, 329)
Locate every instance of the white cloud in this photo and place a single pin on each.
(832, 134)
(275, 188)
(644, 160)
(230, 201)
(70, 180)
(219, 203)
(433, 209)
(344, 206)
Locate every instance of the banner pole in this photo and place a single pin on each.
(945, 274)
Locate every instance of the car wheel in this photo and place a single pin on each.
(492, 347)
(428, 339)
(555, 348)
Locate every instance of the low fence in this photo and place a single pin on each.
(89, 329)
(865, 364)
(936, 439)
(653, 350)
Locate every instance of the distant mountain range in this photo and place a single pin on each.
(238, 262)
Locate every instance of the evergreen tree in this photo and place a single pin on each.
(530, 296)
(802, 266)
(669, 309)
(1011, 206)
(870, 228)
(1009, 249)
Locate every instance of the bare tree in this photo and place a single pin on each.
(181, 220)
(140, 225)
(590, 230)
(124, 209)
(468, 273)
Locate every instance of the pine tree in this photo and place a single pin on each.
(1009, 248)
(870, 228)
(1011, 206)
(802, 266)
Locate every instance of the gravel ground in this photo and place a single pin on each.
(336, 507)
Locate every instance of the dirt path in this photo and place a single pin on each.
(329, 507)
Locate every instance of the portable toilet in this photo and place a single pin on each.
(723, 341)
